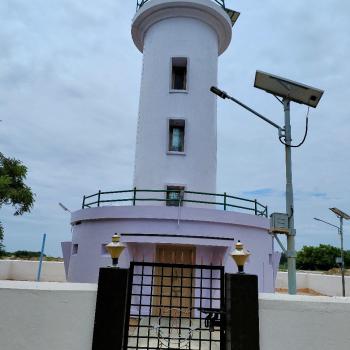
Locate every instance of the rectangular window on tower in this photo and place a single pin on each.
(176, 135)
(174, 196)
(179, 73)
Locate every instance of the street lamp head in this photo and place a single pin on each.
(218, 92)
(340, 213)
(64, 207)
(288, 89)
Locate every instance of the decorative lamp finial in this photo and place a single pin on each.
(240, 256)
(115, 249)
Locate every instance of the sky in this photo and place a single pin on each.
(69, 88)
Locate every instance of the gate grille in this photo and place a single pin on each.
(170, 307)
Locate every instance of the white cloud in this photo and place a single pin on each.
(69, 86)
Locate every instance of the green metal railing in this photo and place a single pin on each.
(140, 3)
(223, 200)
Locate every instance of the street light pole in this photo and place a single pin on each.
(291, 254)
(340, 231)
(342, 255)
(288, 91)
(286, 133)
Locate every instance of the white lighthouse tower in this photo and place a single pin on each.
(177, 132)
(173, 215)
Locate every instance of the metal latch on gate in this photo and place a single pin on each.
(212, 319)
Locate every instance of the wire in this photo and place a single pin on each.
(305, 135)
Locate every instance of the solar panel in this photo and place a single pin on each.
(288, 89)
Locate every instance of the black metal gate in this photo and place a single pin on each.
(172, 306)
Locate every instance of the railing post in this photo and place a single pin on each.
(255, 207)
(98, 198)
(266, 212)
(83, 205)
(224, 200)
(134, 198)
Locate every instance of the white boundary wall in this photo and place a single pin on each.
(303, 322)
(24, 270)
(42, 316)
(56, 316)
(325, 284)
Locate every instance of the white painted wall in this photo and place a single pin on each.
(325, 284)
(56, 316)
(177, 31)
(303, 322)
(22, 270)
(42, 316)
(5, 269)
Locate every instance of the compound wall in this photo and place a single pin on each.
(23, 270)
(324, 284)
(56, 316)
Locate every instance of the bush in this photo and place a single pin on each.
(26, 254)
(320, 258)
(2, 251)
(283, 261)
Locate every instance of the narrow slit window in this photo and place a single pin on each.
(75, 249)
(176, 135)
(174, 196)
(179, 73)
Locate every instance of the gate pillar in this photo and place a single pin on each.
(110, 314)
(242, 312)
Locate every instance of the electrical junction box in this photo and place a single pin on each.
(279, 223)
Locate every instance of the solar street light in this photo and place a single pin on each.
(289, 91)
(341, 215)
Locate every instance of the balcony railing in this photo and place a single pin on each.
(137, 196)
(140, 3)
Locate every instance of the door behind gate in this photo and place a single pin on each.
(175, 306)
(173, 284)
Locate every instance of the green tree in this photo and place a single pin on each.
(13, 190)
(319, 258)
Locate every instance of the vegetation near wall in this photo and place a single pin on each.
(13, 190)
(26, 255)
(320, 258)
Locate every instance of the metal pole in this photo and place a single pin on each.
(291, 254)
(41, 257)
(254, 112)
(342, 256)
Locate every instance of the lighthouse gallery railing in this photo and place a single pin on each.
(223, 200)
(140, 3)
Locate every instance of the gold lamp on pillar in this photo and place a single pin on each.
(115, 249)
(240, 256)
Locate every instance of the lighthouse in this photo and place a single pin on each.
(173, 214)
(176, 145)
